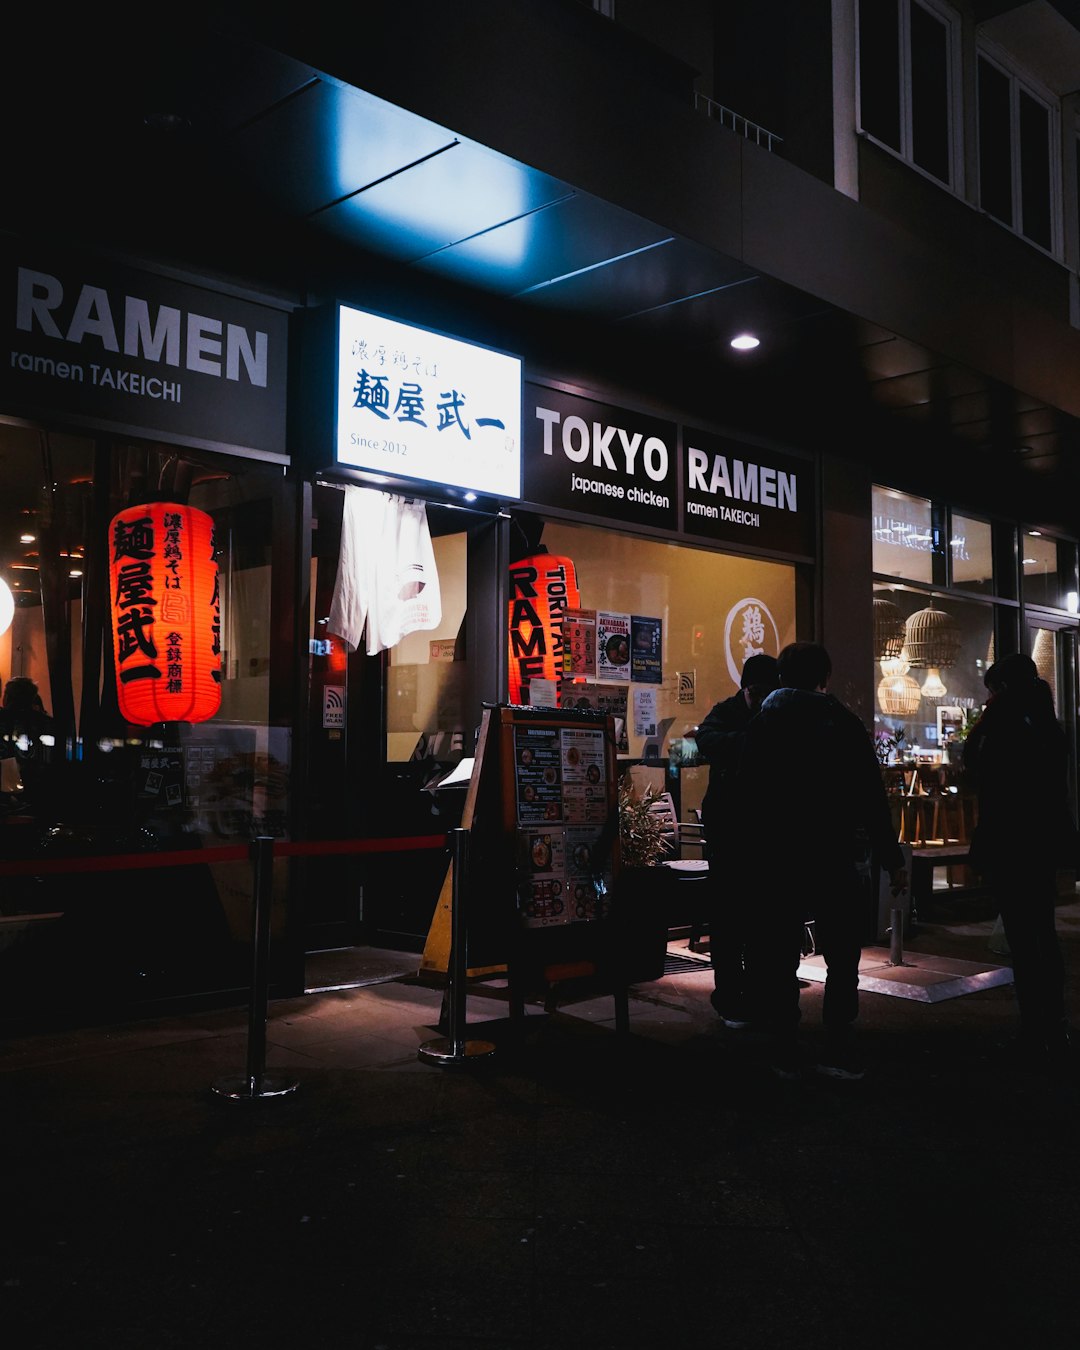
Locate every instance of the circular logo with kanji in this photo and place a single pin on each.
(749, 630)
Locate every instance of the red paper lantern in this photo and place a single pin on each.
(166, 613)
(542, 587)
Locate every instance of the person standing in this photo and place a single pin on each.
(810, 793)
(718, 740)
(1016, 758)
(26, 736)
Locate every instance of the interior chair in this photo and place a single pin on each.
(685, 862)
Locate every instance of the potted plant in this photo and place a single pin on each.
(641, 827)
(638, 921)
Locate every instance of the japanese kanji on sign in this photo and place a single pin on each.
(166, 613)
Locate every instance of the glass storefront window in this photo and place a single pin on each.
(1049, 571)
(426, 693)
(55, 561)
(93, 782)
(1044, 652)
(971, 553)
(925, 702)
(711, 612)
(903, 535)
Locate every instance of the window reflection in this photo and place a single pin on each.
(1049, 570)
(903, 535)
(972, 554)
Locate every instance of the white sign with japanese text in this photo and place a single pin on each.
(412, 403)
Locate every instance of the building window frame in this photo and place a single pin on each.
(906, 148)
(1022, 85)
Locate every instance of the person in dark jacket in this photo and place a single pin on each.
(26, 736)
(1016, 758)
(811, 794)
(718, 739)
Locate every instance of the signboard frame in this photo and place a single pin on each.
(505, 819)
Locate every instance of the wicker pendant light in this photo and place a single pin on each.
(895, 665)
(932, 639)
(933, 687)
(888, 629)
(898, 696)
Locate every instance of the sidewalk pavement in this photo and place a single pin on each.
(577, 1190)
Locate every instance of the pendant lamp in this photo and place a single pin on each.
(898, 696)
(895, 665)
(933, 686)
(888, 629)
(932, 639)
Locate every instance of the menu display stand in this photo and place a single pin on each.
(542, 816)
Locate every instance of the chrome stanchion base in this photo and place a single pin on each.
(446, 1051)
(243, 1088)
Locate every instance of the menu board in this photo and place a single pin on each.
(537, 779)
(563, 794)
(542, 813)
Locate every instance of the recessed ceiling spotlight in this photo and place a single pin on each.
(745, 342)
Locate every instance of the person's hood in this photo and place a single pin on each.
(799, 703)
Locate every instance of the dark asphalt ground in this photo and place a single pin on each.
(575, 1190)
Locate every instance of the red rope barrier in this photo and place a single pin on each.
(31, 867)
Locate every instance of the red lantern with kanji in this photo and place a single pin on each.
(542, 588)
(166, 613)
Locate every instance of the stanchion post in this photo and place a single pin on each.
(455, 1049)
(896, 938)
(256, 1084)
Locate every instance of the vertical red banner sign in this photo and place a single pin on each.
(542, 588)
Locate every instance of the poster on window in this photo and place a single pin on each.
(644, 712)
(612, 646)
(646, 646)
(579, 642)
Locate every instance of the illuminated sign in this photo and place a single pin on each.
(419, 405)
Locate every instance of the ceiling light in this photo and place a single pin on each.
(27, 538)
(934, 686)
(745, 342)
(892, 666)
